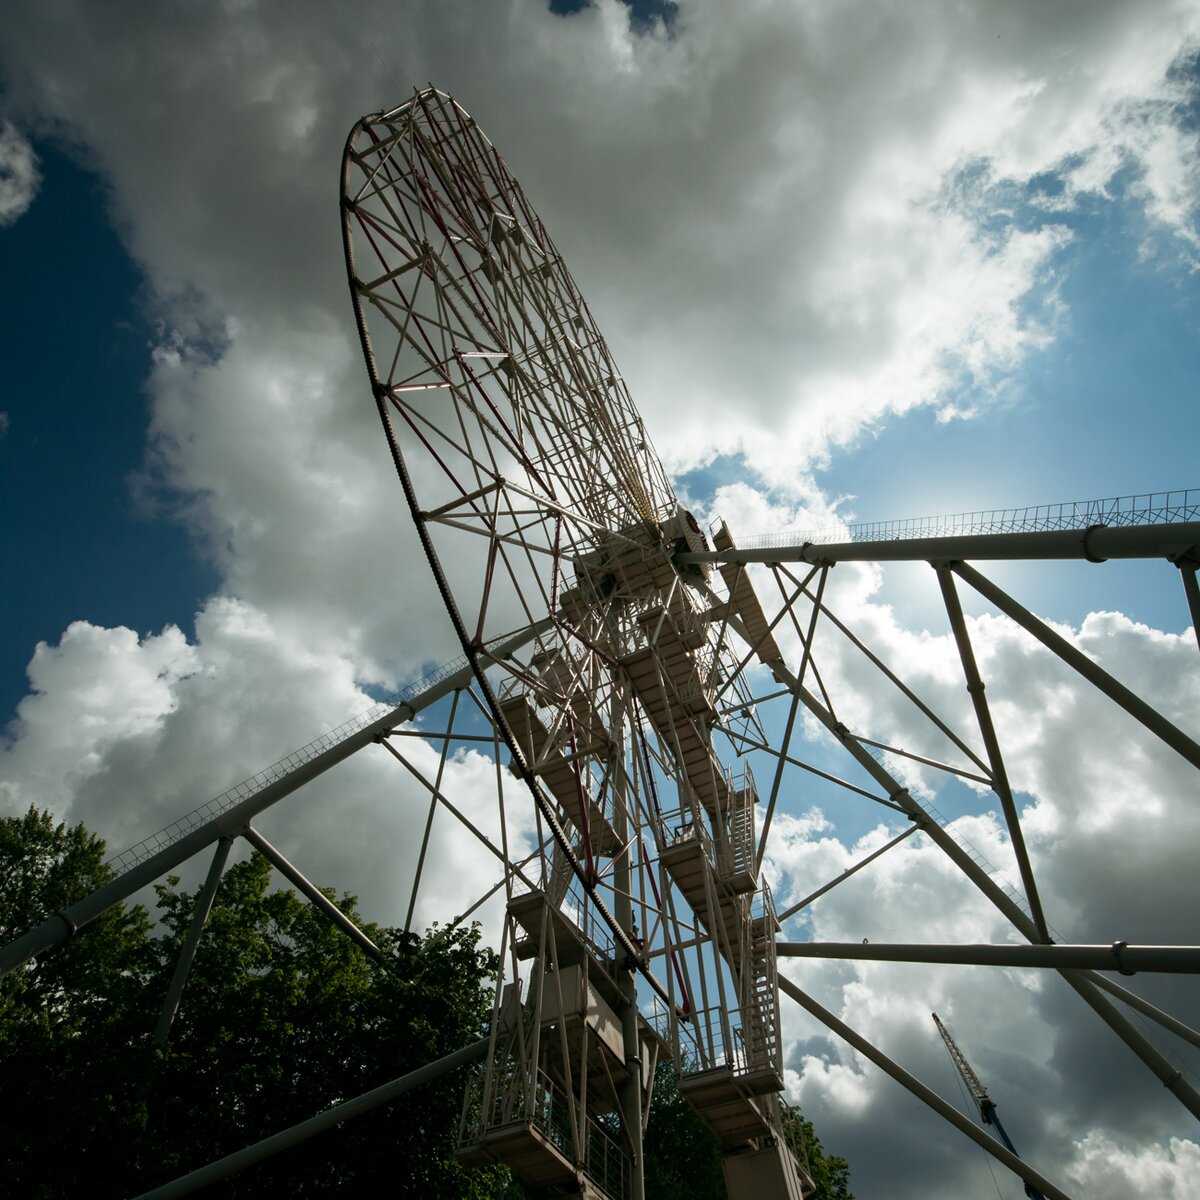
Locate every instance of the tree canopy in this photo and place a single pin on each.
(683, 1157)
(282, 1017)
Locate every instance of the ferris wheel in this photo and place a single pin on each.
(647, 666)
(611, 675)
(645, 689)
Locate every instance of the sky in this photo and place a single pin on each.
(856, 261)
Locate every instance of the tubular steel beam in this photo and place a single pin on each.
(629, 1094)
(805, 659)
(437, 783)
(1175, 960)
(318, 898)
(991, 743)
(230, 823)
(858, 866)
(287, 1138)
(942, 1107)
(1187, 571)
(1095, 675)
(227, 824)
(1094, 544)
(1147, 1009)
(1162, 1067)
(183, 964)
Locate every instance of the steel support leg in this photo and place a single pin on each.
(991, 743)
(314, 893)
(1177, 1027)
(1166, 1071)
(630, 1093)
(183, 964)
(805, 658)
(1173, 960)
(1187, 572)
(1095, 675)
(234, 820)
(434, 792)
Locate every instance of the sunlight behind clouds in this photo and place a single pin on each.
(793, 228)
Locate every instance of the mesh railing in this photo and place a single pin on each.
(178, 829)
(582, 917)
(1150, 508)
(711, 1040)
(989, 868)
(682, 826)
(545, 1107)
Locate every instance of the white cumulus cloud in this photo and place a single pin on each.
(792, 227)
(19, 174)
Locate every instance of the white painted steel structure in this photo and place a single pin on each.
(625, 670)
(536, 493)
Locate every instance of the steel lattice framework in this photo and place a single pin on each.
(625, 670)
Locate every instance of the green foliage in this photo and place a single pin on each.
(830, 1173)
(683, 1158)
(71, 1051)
(282, 1017)
(44, 868)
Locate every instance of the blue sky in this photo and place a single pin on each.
(806, 234)
(88, 543)
(1111, 407)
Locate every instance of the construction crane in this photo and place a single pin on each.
(985, 1104)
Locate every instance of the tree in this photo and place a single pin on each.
(71, 1055)
(44, 868)
(282, 1017)
(683, 1158)
(829, 1172)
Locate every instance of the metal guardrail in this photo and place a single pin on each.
(169, 834)
(729, 845)
(682, 826)
(662, 1019)
(743, 1039)
(606, 1163)
(518, 1100)
(1149, 508)
(743, 796)
(981, 860)
(713, 1039)
(579, 914)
